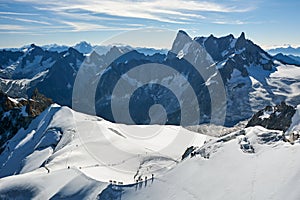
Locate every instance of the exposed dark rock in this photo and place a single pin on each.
(240, 53)
(187, 152)
(18, 113)
(246, 146)
(278, 117)
(269, 137)
(37, 103)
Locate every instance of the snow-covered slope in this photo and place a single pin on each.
(66, 154)
(62, 141)
(254, 164)
(60, 184)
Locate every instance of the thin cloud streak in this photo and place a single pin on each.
(95, 15)
(157, 10)
(79, 27)
(7, 27)
(18, 13)
(25, 20)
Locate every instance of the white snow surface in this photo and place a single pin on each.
(64, 154)
(61, 145)
(295, 126)
(272, 172)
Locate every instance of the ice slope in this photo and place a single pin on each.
(232, 172)
(62, 145)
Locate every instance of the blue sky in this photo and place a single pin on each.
(266, 22)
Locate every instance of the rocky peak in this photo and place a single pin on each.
(114, 53)
(37, 103)
(241, 41)
(182, 32)
(277, 117)
(182, 39)
(72, 52)
(35, 50)
(84, 47)
(34, 61)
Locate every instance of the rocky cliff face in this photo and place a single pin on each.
(277, 117)
(18, 113)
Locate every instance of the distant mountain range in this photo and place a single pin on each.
(289, 50)
(239, 79)
(86, 48)
(287, 55)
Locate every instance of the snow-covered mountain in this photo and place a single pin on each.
(247, 148)
(66, 154)
(231, 77)
(287, 50)
(84, 47)
(55, 47)
(61, 141)
(52, 73)
(288, 59)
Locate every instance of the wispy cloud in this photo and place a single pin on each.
(226, 22)
(7, 27)
(25, 20)
(17, 13)
(93, 15)
(176, 11)
(78, 26)
(82, 26)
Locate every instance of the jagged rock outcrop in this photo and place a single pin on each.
(18, 113)
(37, 103)
(235, 53)
(277, 117)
